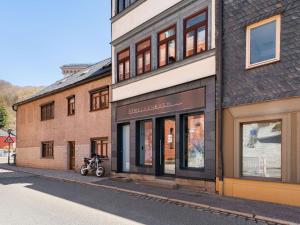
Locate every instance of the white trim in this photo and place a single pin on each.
(277, 19)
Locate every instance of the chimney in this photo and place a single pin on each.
(73, 68)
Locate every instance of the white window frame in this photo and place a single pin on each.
(277, 19)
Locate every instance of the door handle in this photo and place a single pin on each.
(160, 156)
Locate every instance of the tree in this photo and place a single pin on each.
(3, 117)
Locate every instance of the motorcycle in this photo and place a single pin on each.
(92, 165)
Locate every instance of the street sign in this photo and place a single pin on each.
(9, 140)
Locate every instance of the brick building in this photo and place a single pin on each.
(67, 121)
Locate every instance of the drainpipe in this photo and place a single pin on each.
(220, 84)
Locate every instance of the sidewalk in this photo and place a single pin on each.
(211, 202)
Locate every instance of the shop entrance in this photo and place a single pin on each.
(124, 148)
(167, 146)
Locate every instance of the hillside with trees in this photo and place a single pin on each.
(10, 94)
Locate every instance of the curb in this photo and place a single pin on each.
(199, 206)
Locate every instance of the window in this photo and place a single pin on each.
(193, 154)
(263, 42)
(100, 99)
(261, 149)
(144, 154)
(195, 34)
(143, 56)
(167, 46)
(71, 105)
(123, 4)
(124, 65)
(100, 147)
(47, 149)
(47, 111)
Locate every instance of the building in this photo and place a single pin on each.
(163, 91)
(73, 68)
(261, 100)
(67, 121)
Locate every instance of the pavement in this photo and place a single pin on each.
(149, 202)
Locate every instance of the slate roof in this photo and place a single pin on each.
(93, 71)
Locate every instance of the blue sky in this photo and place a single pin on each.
(38, 36)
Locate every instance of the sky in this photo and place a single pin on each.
(38, 36)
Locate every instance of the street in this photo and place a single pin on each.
(27, 199)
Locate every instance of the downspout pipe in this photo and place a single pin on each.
(220, 84)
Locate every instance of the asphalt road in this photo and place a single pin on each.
(26, 199)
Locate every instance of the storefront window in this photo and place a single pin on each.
(194, 141)
(261, 149)
(145, 143)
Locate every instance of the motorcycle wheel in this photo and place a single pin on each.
(100, 171)
(83, 170)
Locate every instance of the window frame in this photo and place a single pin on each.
(47, 116)
(142, 52)
(69, 105)
(103, 140)
(138, 142)
(124, 8)
(241, 150)
(166, 41)
(183, 139)
(96, 91)
(123, 61)
(195, 28)
(277, 20)
(45, 156)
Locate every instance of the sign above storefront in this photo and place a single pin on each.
(186, 100)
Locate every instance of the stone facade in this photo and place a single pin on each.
(269, 82)
(80, 128)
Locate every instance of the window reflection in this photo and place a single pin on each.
(194, 141)
(145, 143)
(263, 42)
(261, 149)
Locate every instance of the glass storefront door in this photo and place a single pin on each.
(125, 148)
(168, 146)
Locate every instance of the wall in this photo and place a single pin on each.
(209, 110)
(173, 15)
(268, 82)
(80, 128)
(286, 110)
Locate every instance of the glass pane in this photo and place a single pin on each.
(140, 64)
(143, 45)
(189, 44)
(194, 141)
(171, 49)
(127, 3)
(197, 19)
(127, 69)
(162, 55)
(169, 146)
(201, 46)
(146, 143)
(167, 34)
(261, 149)
(147, 61)
(121, 71)
(263, 42)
